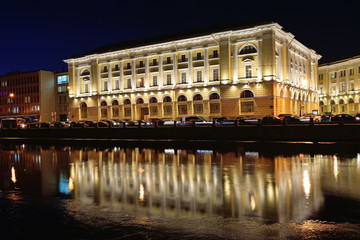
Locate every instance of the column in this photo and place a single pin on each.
(78, 85)
(133, 74)
(259, 60)
(190, 69)
(122, 83)
(175, 69)
(146, 79)
(236, 64)
(110, 81)
(206, 65)
(161, 75)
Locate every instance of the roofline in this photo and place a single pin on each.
(339, 61)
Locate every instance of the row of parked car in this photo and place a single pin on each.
(184, 121)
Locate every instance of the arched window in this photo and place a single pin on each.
(321, 103)
(167, 99)
(115, 103)
(332, 102)
(182, 98)
(246, 94)
(341, 101)
(214, 96)
(139, 101)
(351, 100)
(197, 97)
(115, 108)
(153, 100)
(103, 104)
(127, 102)
(248, 49)
(85, 72)
(83, 110)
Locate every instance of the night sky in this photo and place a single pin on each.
(41, 34)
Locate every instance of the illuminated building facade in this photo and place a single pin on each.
(62, 94)
(339, 86)
(249, 71)
(30, 95)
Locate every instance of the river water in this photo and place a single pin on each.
(172, 190)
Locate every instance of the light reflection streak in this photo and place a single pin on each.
(336, 169)
(13, 175)
(306, 183)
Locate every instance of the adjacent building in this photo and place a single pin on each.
(339, 86)
(61, 100)
(29, 95)
(250, 71)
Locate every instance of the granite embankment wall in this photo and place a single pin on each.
(313, 133)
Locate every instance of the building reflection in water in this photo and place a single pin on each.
(185, 183)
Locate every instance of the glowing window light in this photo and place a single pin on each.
(306, 183)
(13, 175)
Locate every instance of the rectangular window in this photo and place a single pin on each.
(198, 108)
(183, 77)
(168, 79)
(168, 60)
(214, 107)
(154, 80)
(333, 88)
(153, 110)
(167, 110)
(216, 74)
(351, 72)
(127, 112)
(198, 76)
(321, 76)
(333, 75)
(115, 112)
(128, 83)
(141, 64)
(248, 71)
(343, 89)
(215, 54)
(247, 107)
(154, 62)
(183, 58)
(352, 86)
(140, 82)
(117, 84)
(116, 67)
(198, 56)
(103, 113)
(105, 87)
(128, 65)
(321, 89)
(86, 88)
(182, 109)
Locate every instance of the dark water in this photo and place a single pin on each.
(172, 190)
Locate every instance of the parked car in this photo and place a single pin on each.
(271, 120)
(344, 117)
(90, 124)
(326, 117)
(102, 124)
(33, 125)
(306, 117)
(291, 118)
(188, 120)
(77, 125)
(281, 116)
(44, 125)
(357, 117)
(224, 121)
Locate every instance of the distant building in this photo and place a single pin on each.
(30, 95)
(250, 71)
(339, 86)
(62, 94)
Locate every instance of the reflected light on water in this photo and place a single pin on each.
(306, 183)
(336, 169)
(71, 184)
(252, 202)
(141, 193)
(13, 175)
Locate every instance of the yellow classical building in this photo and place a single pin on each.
(248, 71)
(339, 86)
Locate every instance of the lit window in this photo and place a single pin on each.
(199, 76)
(248, 71)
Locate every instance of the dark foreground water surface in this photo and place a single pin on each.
(172, 190)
